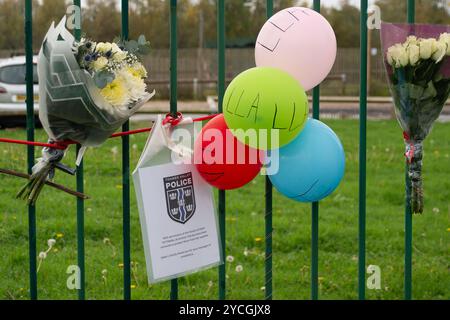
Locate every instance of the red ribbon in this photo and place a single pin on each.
(62, 145)
(409, 154)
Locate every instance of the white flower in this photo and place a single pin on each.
(246, 252)
(427, 48)
(104, 272)
(210, 284)
(230, 258)
(413, 53)
(436, 210)
(100, 63)
(239, 268)
(42, 255)
(410, 41)
(439, 54)
(103, 47)
(119, 56)
(115, 48)
(397, 56)
(445, 38)
(51, 242)
(136, 85)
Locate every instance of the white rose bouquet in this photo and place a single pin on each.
(87, 90)
(418, 68)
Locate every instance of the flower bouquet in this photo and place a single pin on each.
(418, 69)
(87, 90)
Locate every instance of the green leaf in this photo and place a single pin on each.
(103, 78)
(132, 46)
(415, 92)
(429, 92)
(142, 40)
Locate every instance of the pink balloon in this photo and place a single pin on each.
(299, 41)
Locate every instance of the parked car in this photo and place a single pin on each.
(13, 91)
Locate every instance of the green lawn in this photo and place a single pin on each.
(338, 239)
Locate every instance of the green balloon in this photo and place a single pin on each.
(265, 107)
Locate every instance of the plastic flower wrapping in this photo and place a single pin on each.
(87, 90)
(417, 61)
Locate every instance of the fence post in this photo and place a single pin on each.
(362, 153)
(220, 93)
(411, 12)
(268, 210)
(30, 137)
(173, 95)
(315, 205)
(80, 202)
(126, 226)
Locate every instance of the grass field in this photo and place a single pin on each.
(338, 239)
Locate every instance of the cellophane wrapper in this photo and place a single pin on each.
(71, 107)
(419, 94)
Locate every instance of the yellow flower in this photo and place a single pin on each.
(135, 84)
(59, 235)
(258, 239)
(120, 265)
(138, 70)
(100, 63)
(116, 92)
(133, 286)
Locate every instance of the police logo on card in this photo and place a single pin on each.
(180, 197)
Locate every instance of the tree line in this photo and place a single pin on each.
(101, 20)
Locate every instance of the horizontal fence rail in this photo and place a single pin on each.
(221, 83)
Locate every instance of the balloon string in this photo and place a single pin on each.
(62, 145)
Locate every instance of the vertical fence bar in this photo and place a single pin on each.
(269, 210)
(220, 93)
(173, 95)
(126, 226)
(30, 137)
(315, 205)
(411, 13)
(80, 202)
(362, 153)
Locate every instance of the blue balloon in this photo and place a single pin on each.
(311, 166)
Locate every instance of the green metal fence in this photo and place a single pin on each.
(222, 196)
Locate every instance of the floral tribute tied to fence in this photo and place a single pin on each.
(417, 59)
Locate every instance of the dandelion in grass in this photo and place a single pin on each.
(105, 276)
(134, 271)
(239, 268)
(230, 259)
(43, 254)
(109, 243)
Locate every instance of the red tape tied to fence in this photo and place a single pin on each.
(62, 145)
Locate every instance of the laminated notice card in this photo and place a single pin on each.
(177, 214)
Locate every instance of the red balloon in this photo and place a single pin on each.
(222, 160)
